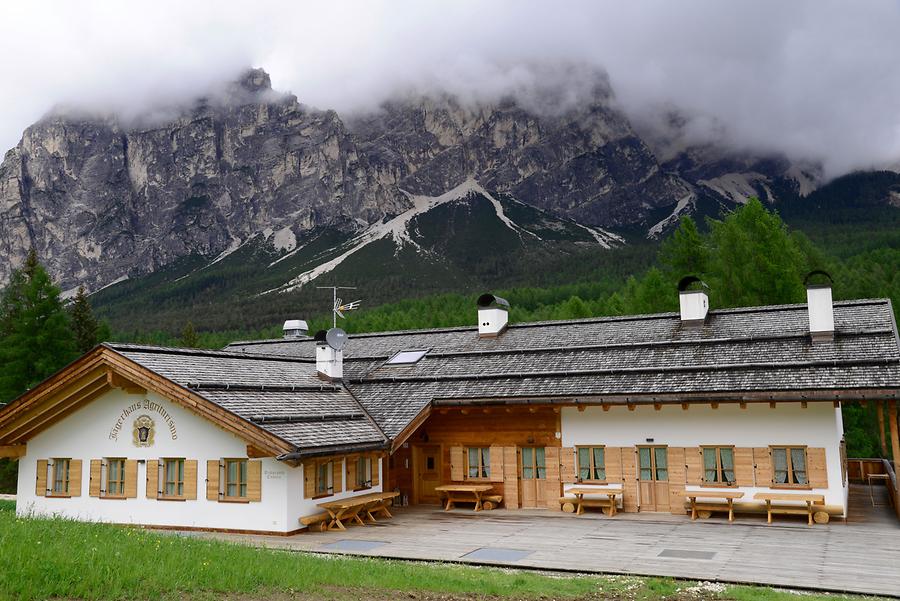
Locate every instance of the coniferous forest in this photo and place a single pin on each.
(747, 257)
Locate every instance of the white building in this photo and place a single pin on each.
(256, 436)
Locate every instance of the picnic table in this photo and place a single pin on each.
(465, 493)
(728, 495)
(352, 508)
(610, 501)
(809, 499)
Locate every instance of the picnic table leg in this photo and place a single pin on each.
(612, 505)
(477, 500)
(769, 510)
(810, 512)
(578, 501)
(730, 510)
(383, 509)
(336, 522)
(693, 508)
(449, 505)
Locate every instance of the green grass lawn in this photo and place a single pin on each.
(45, 558)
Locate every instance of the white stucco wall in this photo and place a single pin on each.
(86, 435)
(819, 425)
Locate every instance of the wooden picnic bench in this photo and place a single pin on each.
(464, 493)
(349, 509)
(580, 502)
(728, 495)
(810, 510)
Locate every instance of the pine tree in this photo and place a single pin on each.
(35, 337)
(84, 324)
(685, 252)
(189, 336)
(754, 260)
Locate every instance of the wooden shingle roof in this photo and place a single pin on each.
(747, 354)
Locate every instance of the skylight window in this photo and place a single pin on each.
(406, 357)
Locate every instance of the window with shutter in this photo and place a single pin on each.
(235, 488)
(591, 464)
(789, 467)
(718, 466)
(59, 484)
(115, 477)
(172, 478)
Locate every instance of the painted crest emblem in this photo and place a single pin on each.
(143, 431)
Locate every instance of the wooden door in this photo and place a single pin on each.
(532, 477)
(427, 464)
(653, 478)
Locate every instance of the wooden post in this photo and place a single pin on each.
(895, 448)
(879, 408)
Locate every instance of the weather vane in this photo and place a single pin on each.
(339, 306)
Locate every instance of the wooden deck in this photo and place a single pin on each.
(861, 555)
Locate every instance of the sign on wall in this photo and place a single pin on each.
(143, 431)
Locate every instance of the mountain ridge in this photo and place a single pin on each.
(102, 199)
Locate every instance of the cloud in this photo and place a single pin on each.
(815, 80)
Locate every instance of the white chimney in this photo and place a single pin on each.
(694, 304)
(294, 328)
(820, 308)
(330, 354)
(493, 315)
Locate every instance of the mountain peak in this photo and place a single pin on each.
(254, 80)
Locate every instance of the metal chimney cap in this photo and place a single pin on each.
(295, 324)
(489, 300)
(685, 282)
(818, 272)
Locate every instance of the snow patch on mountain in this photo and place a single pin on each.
(683, 206)
(736, 187)
(397, 229)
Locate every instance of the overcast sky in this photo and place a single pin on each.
(814, 79)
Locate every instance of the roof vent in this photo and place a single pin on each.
(493, 315)
(693, 300)
(330, 353)
(820, 306)
(294, 328)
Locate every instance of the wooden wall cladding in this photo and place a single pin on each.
(503, 427)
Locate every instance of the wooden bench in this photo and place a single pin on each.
(318, 522)
(728, 495)
(814, 505)
(608, 504)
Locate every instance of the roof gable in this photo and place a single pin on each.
(99, 371)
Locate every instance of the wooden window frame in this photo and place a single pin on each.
(654, 466)
(67, 483)
(536, 474)
(720, 483)
(329, 477)
(481, 451)
(364, 483)
(104, 492)
(162, 496)
(592, 468)
(790, 471)
(225, 481)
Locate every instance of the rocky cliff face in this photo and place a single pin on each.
(100, 199)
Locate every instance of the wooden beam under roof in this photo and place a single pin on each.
(117, 381)
(12, 451)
